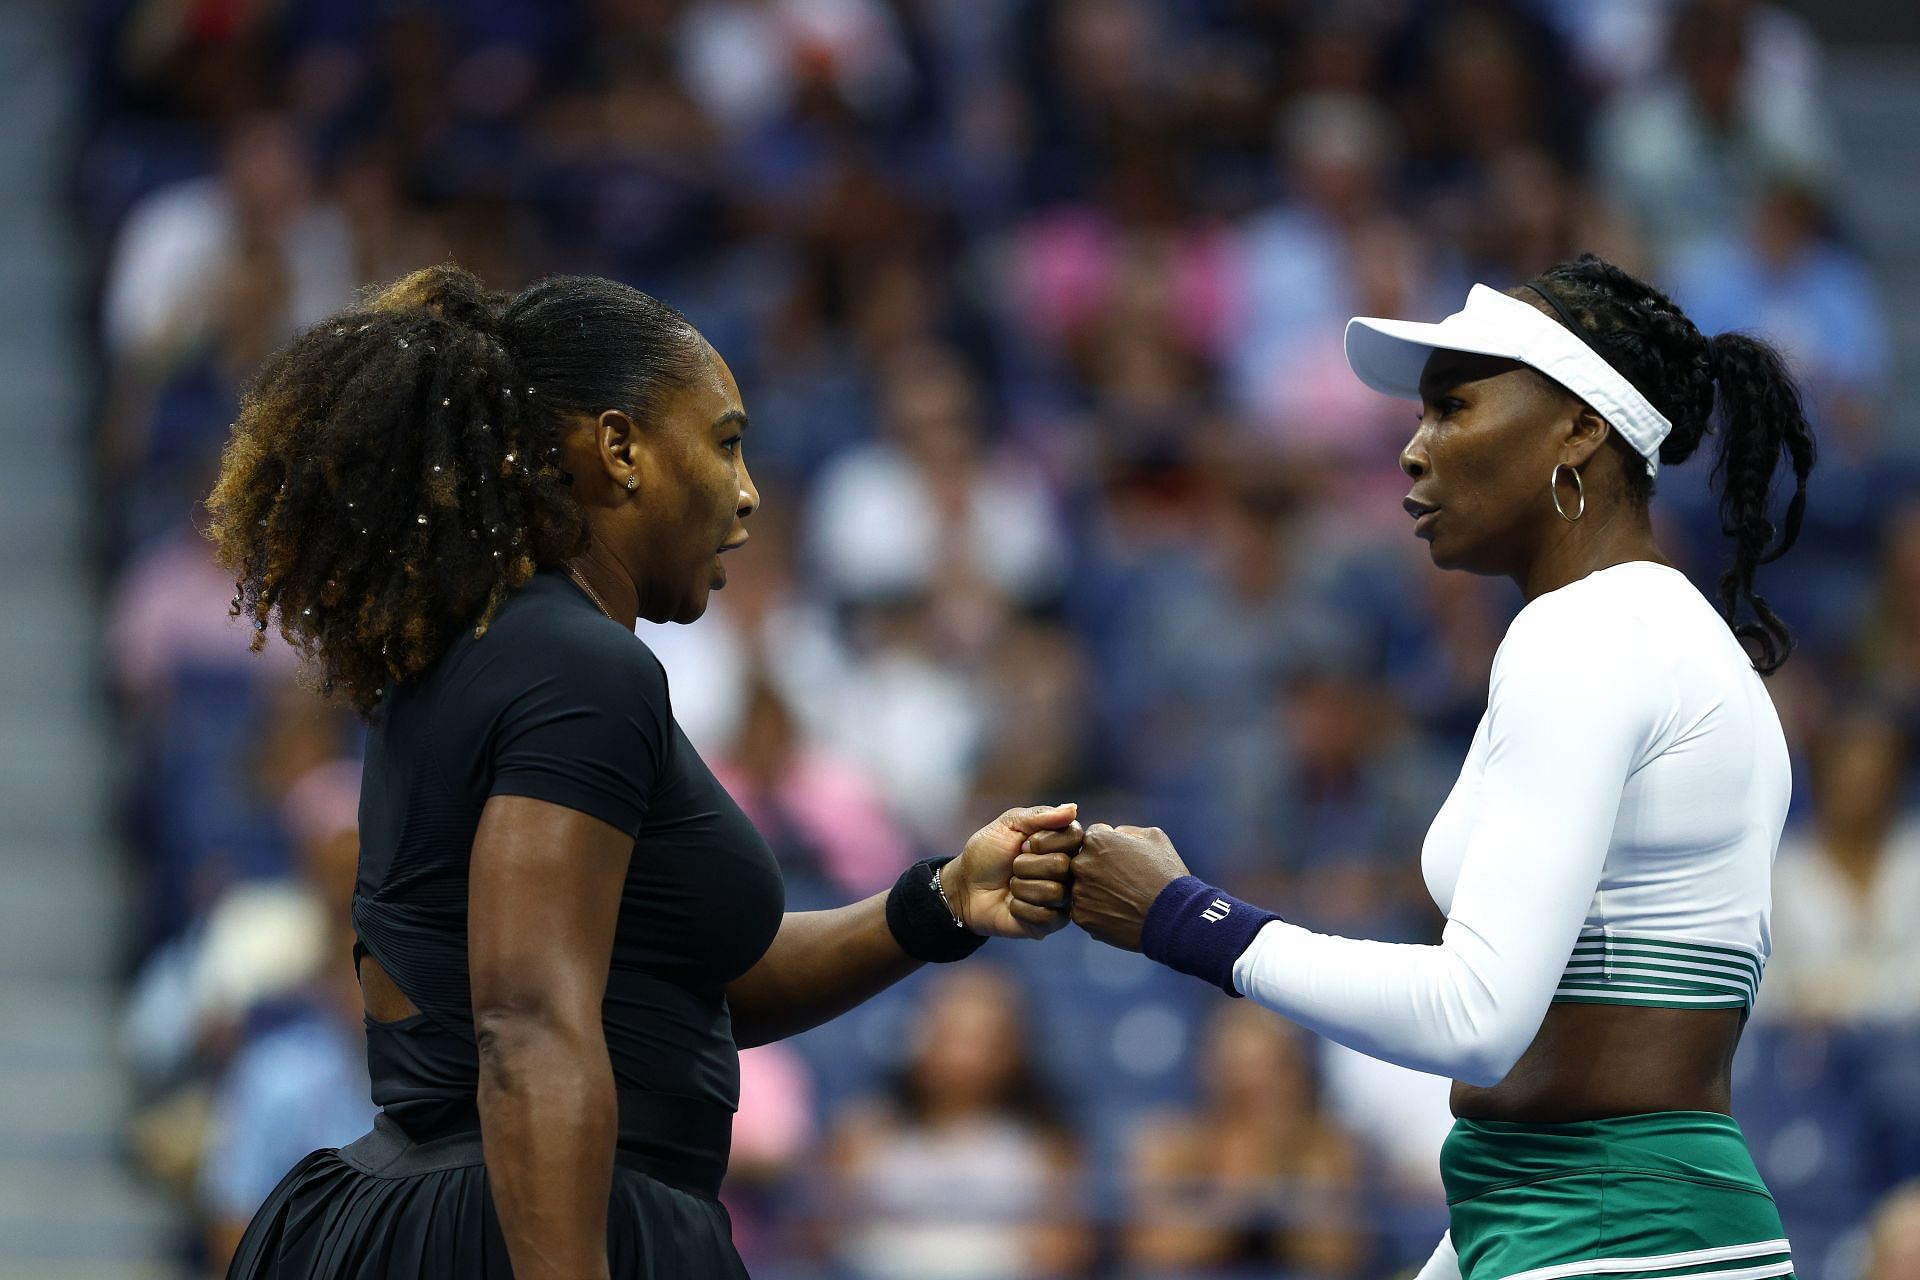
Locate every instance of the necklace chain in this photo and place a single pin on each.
(592, 595)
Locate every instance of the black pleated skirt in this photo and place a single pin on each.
(387, 1208)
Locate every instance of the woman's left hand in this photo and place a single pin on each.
(1014, 878)
(1117, 874)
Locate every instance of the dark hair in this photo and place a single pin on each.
(394, 471)
(1640, 332)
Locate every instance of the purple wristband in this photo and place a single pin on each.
(1201, 930)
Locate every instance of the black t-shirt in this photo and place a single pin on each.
(558, 702)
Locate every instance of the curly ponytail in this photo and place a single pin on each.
(394, 472)
(1640, 332)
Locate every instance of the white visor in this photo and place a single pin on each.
(1388, 356)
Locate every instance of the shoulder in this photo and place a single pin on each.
(550, 634)
(1606, 618)
(1601, 659)
(549, 609)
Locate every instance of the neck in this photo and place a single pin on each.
(610, 581)
(1614, 534)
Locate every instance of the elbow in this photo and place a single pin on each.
(1492, 1019)
(1481, 1069)
(519, 1043)
(510, 1046)
(1487, 1055)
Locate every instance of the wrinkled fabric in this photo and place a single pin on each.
(386, 1208)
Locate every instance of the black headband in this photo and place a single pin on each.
(1566, 317)
(1580, 332)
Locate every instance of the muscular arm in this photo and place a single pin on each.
(823, 963)
(543, 896)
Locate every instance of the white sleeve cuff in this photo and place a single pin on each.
(1444, 1264)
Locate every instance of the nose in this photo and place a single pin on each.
(1413, 457)
(749, 494)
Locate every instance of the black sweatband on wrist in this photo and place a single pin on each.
(922, 923)
(1201, 930)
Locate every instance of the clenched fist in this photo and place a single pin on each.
(1117, 874)
(1014, 879)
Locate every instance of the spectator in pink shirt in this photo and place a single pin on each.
(806, 799)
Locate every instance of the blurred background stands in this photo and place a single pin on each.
(1038, 306)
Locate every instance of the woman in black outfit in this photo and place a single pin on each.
(456, 504)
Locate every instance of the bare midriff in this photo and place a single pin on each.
(385, 1001)
(1588, 1061)
(1591, 1061)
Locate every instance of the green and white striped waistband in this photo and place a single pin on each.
(1761, 1260)
(1668, 973)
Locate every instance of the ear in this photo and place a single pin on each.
(625, 450)
(1586, 432)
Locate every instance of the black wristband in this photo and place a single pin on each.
(922, 923)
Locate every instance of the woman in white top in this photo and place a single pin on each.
(1603, 860)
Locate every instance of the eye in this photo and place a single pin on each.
(1446, 406)
(731, 444)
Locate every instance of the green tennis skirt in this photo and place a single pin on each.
(1671, 1195)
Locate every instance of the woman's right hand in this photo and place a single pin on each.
(1014, 878)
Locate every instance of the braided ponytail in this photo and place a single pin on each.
(394, 472)
(1760, 419)
(1735, 379)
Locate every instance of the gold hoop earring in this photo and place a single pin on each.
(1553, 487)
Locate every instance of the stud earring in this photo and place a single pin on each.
(632, 484)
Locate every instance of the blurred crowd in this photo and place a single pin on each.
(1037, 307)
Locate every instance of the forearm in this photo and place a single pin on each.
(1465, 1009)
(548, 1116)
(1459, 1010)
(821, 964)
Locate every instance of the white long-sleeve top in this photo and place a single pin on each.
(1609, 840)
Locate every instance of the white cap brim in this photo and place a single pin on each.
(1389, 356)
